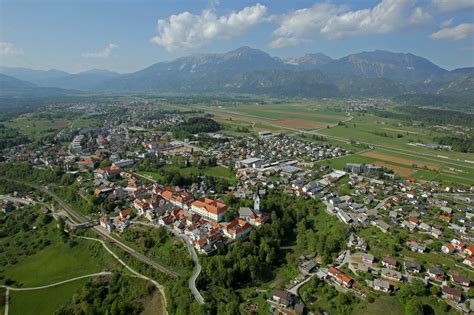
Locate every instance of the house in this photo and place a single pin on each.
(384, 227)
(141, 206)
(125, 213)
(451, 294)
(343, 216)
(237, 228)
(105, 223)
(469, 261)
(282, 297)
(123, 163)
(340, 277)
(209, 209)
(389, 262)
(436, 273)
(87, 164)
(179, 198)
(436, 233)
(412, 267)
(469, 250)
(108, 173)
(464, 282)
(416, 247)
(381, 285)
(448, 248)
(391, 274)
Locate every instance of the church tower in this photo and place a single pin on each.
(256, 202)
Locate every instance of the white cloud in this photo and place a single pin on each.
(453, 5)
(446, 23)
(333, 21)
(9, 49)
(285, 41)
(187, 31)
(419, 16)
(103, 54)
(461, 31)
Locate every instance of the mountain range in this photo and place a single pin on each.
(252, 71)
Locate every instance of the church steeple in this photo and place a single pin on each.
(256, 202)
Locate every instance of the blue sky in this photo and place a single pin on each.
(126, 35)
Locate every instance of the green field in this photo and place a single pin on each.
(44, 301)
(37, 127)
(216, 171)
(385, 131)
(59, 262)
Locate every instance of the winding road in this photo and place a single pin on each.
(197, 265)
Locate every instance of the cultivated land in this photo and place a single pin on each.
(392, 140)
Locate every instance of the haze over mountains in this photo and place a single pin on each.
(252, 71)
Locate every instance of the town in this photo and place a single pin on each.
(400, 230)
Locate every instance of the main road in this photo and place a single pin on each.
(78, 218)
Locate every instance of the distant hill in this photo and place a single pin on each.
(404, 68)
(309, 83)
(13, 87)
(253, 71)
(87, 80)
(37, 77)
(309, 61)
(463, 85)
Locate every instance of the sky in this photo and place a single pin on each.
(128, 35)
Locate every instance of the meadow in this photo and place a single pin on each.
(44, 301)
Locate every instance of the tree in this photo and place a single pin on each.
(435, 290)
(414, 307)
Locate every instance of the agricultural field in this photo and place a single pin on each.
(391, 133)
(37, 127)
(393, 141)
(282, 117)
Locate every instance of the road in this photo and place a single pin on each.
(197, 265)
(197, 268)
(77, 218)
(294, 290)
(104, 273)
(136, 273)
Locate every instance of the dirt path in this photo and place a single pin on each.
(136, 273)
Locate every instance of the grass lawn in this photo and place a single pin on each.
(386, 305)
(45, 301)
(216, 171)
(59, 262)
(37, 127)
